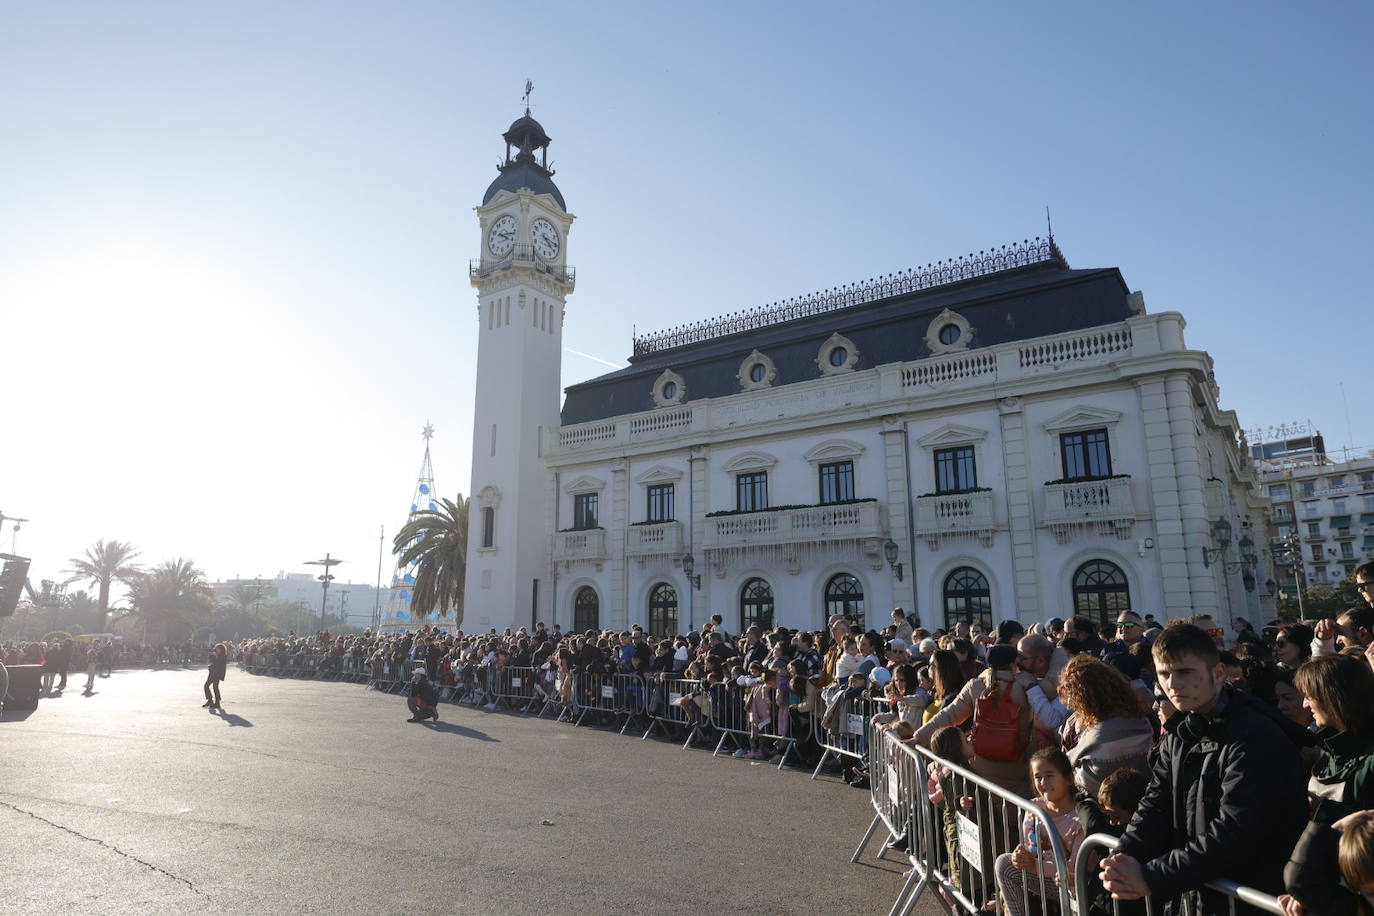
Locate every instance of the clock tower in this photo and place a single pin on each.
(522, 280)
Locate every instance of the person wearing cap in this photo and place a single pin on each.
(423, 697)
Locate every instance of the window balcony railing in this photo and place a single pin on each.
(1106, 505)
(805, 524)
(953, 515)
(575, 546)
(521, 255)
(657, 539)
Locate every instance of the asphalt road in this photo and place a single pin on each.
(315, 797)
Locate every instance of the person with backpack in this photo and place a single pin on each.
(1001, 718)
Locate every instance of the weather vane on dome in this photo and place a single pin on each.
(529, 87)
(428, 431)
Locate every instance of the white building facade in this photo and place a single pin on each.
(996, 437)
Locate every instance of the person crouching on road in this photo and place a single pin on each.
(423, 699)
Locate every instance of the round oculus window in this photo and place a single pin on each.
(839, 356)
(758, 372)
(669, 390)
(950, 334)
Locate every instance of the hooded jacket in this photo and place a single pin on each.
(1225, 800)
(1342, 783)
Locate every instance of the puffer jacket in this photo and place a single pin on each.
(1107, 747)
(1225, 800)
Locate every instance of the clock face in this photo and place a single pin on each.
(545, 239)
(501, 238)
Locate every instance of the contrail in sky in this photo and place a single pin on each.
(595, 359)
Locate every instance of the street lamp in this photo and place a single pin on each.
(328, 563)
(890, 552)
(688, 565)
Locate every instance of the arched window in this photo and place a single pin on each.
(967, 598)
(756, 605)
(586, 610)
(663, 610)
(1100, 592)
(844, 594)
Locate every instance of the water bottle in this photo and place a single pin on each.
(1032, 836)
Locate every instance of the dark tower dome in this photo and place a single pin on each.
(523, 170)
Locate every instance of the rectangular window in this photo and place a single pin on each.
(1367, 478)
(1309, 508)
(837, 482)
(1317, 553)
(661, 503)
(1336, 481)
(584, 510)
(955, 469)
(1086, 454)
(1337, 505)
(1278, 491)
(751, 491)
(1369, 502)
(488, 526)
(1309, 488)
(1314, 529)
(1347, 550)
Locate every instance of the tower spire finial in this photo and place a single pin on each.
(529, 87)
(1049, 226)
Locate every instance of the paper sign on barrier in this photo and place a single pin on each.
(856, 724)
(970, 845)
(893, 790)
(673, 698)
(608, 693)
(515, 682)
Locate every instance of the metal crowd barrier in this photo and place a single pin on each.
(1191, 904)
(563, 697)
(730, 717)
(667, 696)
(514, 688)
(596, 693)
(850, 736)
(981, 821)
(897, 780)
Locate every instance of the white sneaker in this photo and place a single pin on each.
(491, 705)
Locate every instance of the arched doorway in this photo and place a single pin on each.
(663, 610)
(586, 610)
(756, 605)
(844, 594)
(1100, 592)
(967, 598)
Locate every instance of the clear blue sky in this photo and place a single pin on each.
(234, 237)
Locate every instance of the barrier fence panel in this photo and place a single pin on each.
(677, 703)
(563, 695)
(633, 692)
(1099, 845)
(981, 822)
(728, 717)
(842, 731)
(514, 688)
(594, 693)
(897, 789)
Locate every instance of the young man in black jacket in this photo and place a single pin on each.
(1226, 798)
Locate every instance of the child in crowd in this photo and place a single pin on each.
(1052, 776)
(953, 746)
(758, 708)
(1117, 798)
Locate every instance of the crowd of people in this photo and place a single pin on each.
(1211, 755)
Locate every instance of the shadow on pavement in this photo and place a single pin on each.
(460, 730)
(231, 719)
(16, 715)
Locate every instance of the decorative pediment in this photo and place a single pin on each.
(750, 461)
(1081, 417)
(659, 474)
(834, 450)
(585, 485)
(952, 434)
(489, 496)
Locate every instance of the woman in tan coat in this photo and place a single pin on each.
(1012, 775)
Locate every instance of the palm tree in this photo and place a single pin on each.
(105, 564)
(438, 538)
(174, 596)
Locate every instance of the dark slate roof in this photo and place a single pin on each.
(1017, 304)
(524, 174)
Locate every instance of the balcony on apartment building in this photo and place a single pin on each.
(649, 539)
(942, 516)
(584, 545)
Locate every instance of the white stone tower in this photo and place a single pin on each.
(522, 280)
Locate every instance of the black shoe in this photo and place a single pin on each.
(208, 704)
(415, 719)
(899, 843)
(435, 714)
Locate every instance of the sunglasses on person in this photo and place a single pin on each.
(1160, 698)
(1361, 586)
(1126, 624)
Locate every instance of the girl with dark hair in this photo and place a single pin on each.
(1293, 645)
(947, 679)
(1052, 776)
